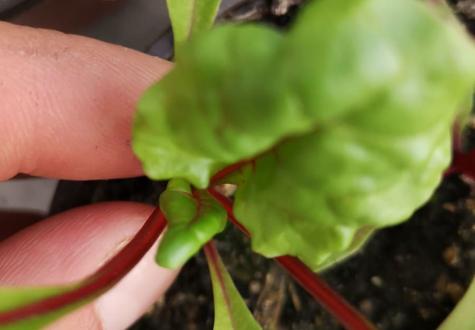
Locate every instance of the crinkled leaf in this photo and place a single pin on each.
(230, 310)
(347, 118)
(192, 222)
(191, 16)
(462, 317)
(383, 135)
(212, 96)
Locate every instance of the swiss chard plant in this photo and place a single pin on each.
(330, 131)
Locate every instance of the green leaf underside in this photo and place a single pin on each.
(347, 116)
(191, 16)
(12, 298)
(462, 317)
(192, 222)
(230, 311)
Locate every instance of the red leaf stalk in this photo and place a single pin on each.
(349, 317)
(462, 163)
(228, 170)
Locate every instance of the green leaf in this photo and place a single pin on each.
(190, 17)
(192, 222)
(203, 99)
(462, 317)
(177, 203)
(358, 240)
(13, 298)
(230, 311)
(381, 139)
(346, 118)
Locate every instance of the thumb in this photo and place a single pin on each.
(69, 246)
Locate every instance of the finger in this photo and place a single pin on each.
(74, 244)
(67, 104)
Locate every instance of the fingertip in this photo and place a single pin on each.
(70, 245)
(68, 103)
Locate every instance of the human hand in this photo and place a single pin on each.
(66, 109)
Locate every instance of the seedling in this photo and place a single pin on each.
(330, 131)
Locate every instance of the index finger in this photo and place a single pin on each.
(67, 102)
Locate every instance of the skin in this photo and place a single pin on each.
(66, 111)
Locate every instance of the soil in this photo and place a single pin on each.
(406, 277)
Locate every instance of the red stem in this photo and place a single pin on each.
(462, 163)
(228, 206)
(228, 170)
(102, 279)
(349, 317)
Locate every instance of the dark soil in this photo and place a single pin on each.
(407, 277)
